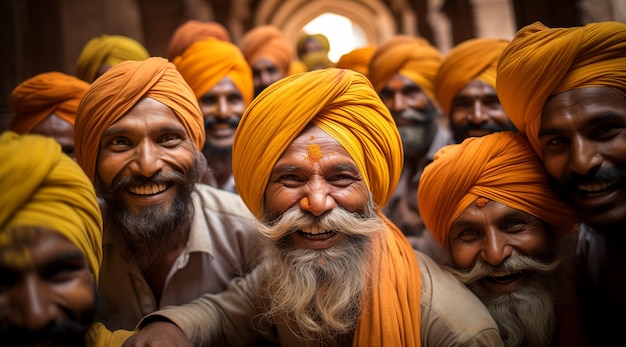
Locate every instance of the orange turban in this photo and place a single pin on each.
(192, 31)
(267, 41)
(411, 57)
(205, 63)
(501, 167)
(542, 61)
(358, 59)
(118, 90)
(38, 97)
(469, 60)
(107, 50)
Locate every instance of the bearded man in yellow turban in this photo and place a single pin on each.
(315, 157)
(565, 89)
(105, 51)
(50, 248)
(167, 237)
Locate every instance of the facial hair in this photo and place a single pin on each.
(209, 122)
(417, 136)
(461, 132)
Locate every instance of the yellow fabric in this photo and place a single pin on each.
(267, 41)
(192, 31)
(358, 59)
(42, 187)
(296, 67)
(412, 57)
(317, 60)
(113, 94)
(343, 104)
(207, 62)
(100, 336)
(107, 50)
(474, 59)
(321, 40)
(501, 167)
(542, 61)
(38, 97)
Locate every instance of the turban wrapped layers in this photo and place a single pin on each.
(358, 59)
(118, 90)
(469, 60)
(267, 41)
(542, 61)
(192, 31)
(42, 187)
(205, 63)
(38, 97)
(501, 167)
(107, 50)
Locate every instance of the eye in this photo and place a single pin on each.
(62, 272)
(491, 101)
(555, 143)
(468, 234)
(8, 279)
(208, 99)
(119, 144)
(607, 130)
(235, 98)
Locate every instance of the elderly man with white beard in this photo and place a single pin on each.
(315, 157)
(507, 234)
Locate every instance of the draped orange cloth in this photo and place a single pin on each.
(542, 61)
(38, 97)
(194, 30)
(267, 41)
(357, 59)
(343, 104)
(118, 90)
(205, 63)
(501, 167)
(411, 57)
(474, 59)
(107, 50)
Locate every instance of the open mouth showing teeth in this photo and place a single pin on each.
(149, 189)
(504, 278)
(317, 236)
(591, 190)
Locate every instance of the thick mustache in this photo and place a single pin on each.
(230, 121)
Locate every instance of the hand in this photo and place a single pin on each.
(159, 334)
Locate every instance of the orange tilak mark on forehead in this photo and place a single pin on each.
(304, 203)
(481, 202)
(314, 152)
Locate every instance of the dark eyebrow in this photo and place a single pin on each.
(165, 128)
(73, 256)
(599, 118)
(347, 167)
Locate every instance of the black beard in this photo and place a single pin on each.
(460, 132)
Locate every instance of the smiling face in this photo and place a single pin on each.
(264, 73)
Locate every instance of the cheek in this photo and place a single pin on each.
(77, 296)
(278, 199)
(354, 198)
(110, 165)
(464, 254)
(555, 165)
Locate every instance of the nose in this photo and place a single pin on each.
(476, 114)
(584, 156)
(496, 247)
(266, 78)
(317, 199)
(222, 109)
(147, 161)
(33, 306)
(399, 103)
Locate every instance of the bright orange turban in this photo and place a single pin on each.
(192, 31)
(267, 41)
(38, 97)
(501, 167)
(358, 59)
(542, 61)
(412, 57)
(42, 187)
(467, 61)
(205, 63)
(107, 50)
(118, 90)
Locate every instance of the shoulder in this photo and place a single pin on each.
(220, 201)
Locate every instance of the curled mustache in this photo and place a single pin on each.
(513, 264)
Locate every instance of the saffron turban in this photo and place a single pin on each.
(501, 167)
(107, 50)
(205, 63)
(192, 31)
(38, 97)
(267, 41)
(412, 57)
(118, 90)
(42, 187)
(358, 59)
(474, 59)
(541, 61)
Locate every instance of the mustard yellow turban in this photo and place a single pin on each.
(412, 57)
(358, 59)
(340, 102)
(267, 41)
(467, 61)
(207, 62)
(321, 40)
(38, 97)
(42, 187)
(107, 50)
(542, 61)
(192, 31)
(118, 90)
(501, 167)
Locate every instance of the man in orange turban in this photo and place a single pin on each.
(488, 203)
(565, 89)
(221, 80)
(465, 88)
(46, 104)
(357, 59)
(105, 51)
(167, 238)
(192, 31)
(315, 156)
(402, 71)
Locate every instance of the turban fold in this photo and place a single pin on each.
(501, 167)
(205, 63)
(474, 59)
(358, 59)
(541, 61)
(107, 50)
(118, 90)
(42, 187)
(267, 41)
(192, 31)
(38, 97)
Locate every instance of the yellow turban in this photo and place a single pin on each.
(469, 60)
(501, 167)
(542, 61)
(42, 187)
(192, 31)
(267, 41)
(112, 95)
(358, 59)
(321, 40)
(205, 63)
(107, 50)
(38, 97)
(411, 57)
